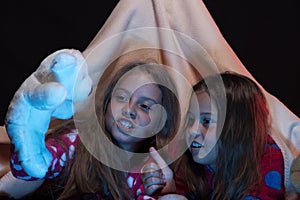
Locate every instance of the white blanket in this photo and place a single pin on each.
(180, 33)
(187, 30)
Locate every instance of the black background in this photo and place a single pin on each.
(263, 34)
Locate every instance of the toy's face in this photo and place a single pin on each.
(130, 116)
(201, 131)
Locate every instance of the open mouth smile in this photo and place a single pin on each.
(195, 147)
(124, 125)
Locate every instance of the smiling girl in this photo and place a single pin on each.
(137, 109)
(236, 159)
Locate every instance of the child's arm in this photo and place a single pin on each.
(4, 139)
(15, 188)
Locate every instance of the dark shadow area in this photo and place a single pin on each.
(265, 36)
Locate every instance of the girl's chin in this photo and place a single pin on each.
(197, 161)
(198, 156)
(195, 151)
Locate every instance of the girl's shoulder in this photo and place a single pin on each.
(272, 169)
(272, 154)
(270, 144)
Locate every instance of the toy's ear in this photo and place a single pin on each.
(70, 69)
(295, 173)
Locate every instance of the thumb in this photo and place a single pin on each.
(157, 158)
(165, 169)
(167, 172)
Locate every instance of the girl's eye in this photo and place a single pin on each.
(207, 120)
(145, 107)
(121, 98)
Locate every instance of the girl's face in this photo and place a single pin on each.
(201, 133)
(131, 115)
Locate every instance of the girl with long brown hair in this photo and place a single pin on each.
(126, 109)
(236, 158)
(231, 152)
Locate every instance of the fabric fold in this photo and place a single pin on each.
(181, 34)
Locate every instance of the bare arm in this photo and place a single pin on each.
(4, 139)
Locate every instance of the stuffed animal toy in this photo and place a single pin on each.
(61, 79)
(295, 174)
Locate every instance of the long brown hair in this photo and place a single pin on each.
(240, 145)
(86, 174)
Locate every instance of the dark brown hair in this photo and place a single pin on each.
(85, 174)
(240, 145)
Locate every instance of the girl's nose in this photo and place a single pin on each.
(195, 130)
(194, 134)
(129, 111)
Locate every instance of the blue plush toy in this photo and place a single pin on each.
(49, 92)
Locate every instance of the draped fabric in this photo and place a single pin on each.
(181, 34)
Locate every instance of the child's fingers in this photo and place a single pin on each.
(152, 181)
(157, 158)
(154, 189)
(167, 172)
(165, 183)
(153, 185)
(157, 174)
